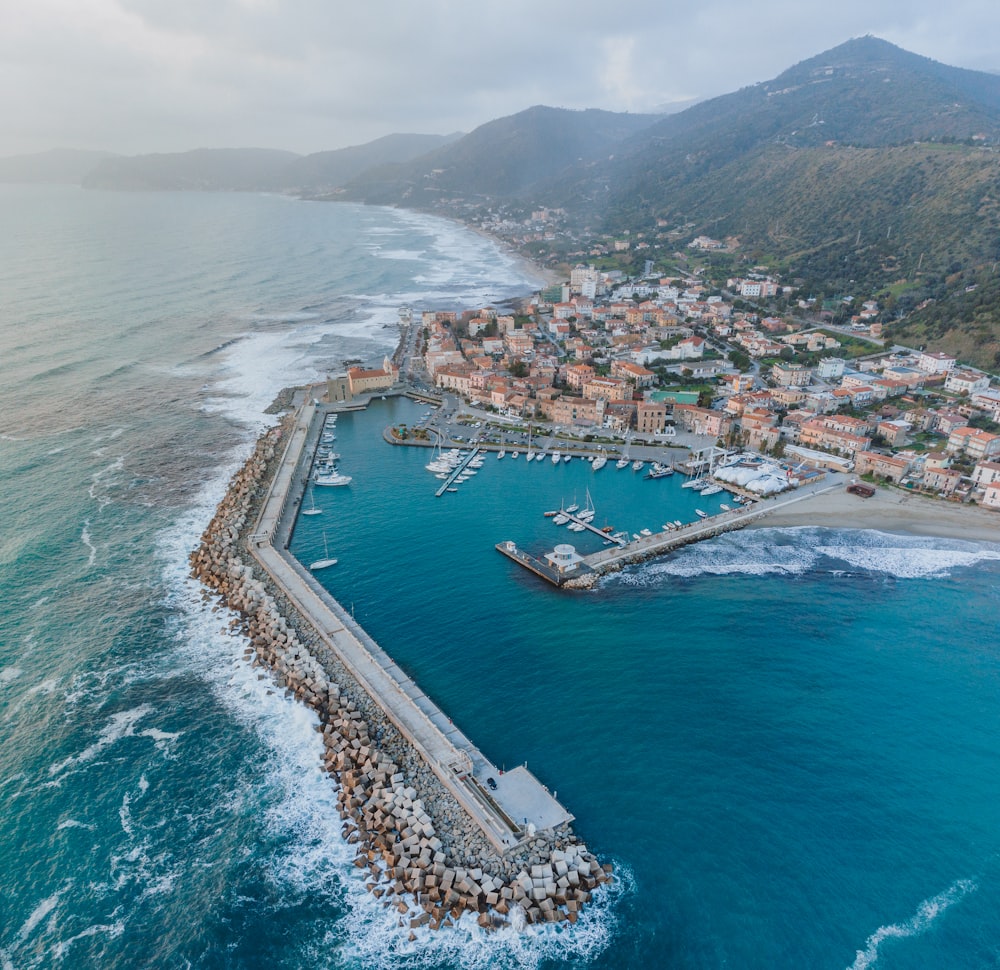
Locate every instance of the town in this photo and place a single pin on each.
(620, 359)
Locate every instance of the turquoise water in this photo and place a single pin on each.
(786, 740)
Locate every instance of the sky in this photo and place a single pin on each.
(137, 76)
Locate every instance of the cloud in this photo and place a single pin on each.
(169, 75)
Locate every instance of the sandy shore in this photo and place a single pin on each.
(889, 510)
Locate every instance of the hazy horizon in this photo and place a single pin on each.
(144, 76)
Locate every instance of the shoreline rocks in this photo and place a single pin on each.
(418, 850)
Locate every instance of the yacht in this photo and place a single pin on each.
(332, 479)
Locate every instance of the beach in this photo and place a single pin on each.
(888, 510)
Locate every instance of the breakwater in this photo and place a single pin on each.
(420, 848)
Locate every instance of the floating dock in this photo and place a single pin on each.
(458, 471)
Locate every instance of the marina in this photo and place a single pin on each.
(511, 809)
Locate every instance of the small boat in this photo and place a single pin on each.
(726, 508)
(645, 532)
(552, 514)
(576, 527)
(635, 535)
(514, 454)
(451, 488)
(567, 458)
(700, 514)
(638, 465)
(607, 529)
(555, 457)
(326, 560)
(334, 479)
(678, 523)
(561, 519)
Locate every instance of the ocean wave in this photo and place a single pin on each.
(121, 725)
(378, 938)
(920, 922)
(799, 551)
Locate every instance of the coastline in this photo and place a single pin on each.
(888, 510)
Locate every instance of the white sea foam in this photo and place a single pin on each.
(254, 369)
(37, 915)
(46, 687)
(378, 938)
(86, 540)
(110, 930)
(72, 823)
(797, 551)
(121, 725)
(9, 674)
(920, 922)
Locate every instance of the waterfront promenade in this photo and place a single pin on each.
(509, 807)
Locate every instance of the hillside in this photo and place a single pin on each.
(58, 165)
(203, 169)
(503, 158)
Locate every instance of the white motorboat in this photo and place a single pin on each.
(333, 479)
(567, 458)
(621, 463)
(638, 465)
(556, 457)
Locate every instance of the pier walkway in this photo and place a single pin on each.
(663, 542)
(456, 472)
(508, 813)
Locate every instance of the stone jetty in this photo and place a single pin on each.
(417, 848)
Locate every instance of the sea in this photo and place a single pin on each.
(786, 741)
